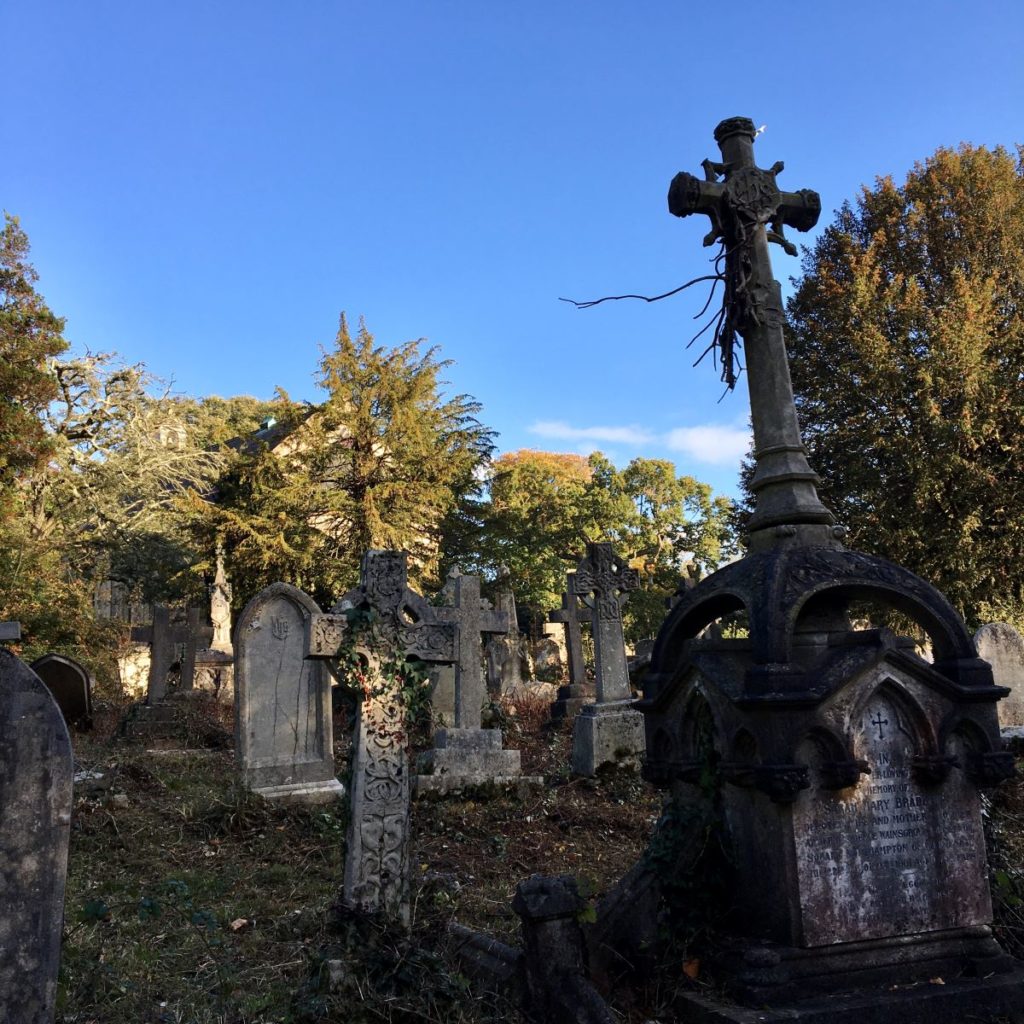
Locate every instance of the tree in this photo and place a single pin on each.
(545, 507)
(907, 342)
(30, 335)
(383, 462)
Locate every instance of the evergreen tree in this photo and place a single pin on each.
(906, 342)
(30, 335)
(385, 461)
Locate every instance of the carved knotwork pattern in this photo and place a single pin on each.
(378, 879)
(385, 575)
(751, 193)
(603, 582)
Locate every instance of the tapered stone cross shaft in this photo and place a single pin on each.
(747, 210)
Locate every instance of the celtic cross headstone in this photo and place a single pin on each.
(609, 731)
(382, 622)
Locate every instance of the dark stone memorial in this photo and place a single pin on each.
(71, 686)
(35, 823)
(848, 769)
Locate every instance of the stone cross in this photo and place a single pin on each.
(162, 638)
(161, 651)
(568, 616)
(35, 824)
(603, 582)
(198, 636)
(747, 210)
(397, 624)
(10, 631)
(470, 619)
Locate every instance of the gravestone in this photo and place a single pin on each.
(283, 726)
(1003, 648)
(504, 653)
(573, 696)
(10, 631)
(71, 686)
(467, 754)
(846, 770)
(610, 731)
(35, 824)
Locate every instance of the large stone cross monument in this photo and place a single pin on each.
(847, 768)
(572, 696)
(609, 731)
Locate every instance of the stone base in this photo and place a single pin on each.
(325, 792)
(466, 757)
(607, 734)
(998, 999)
(568, 702)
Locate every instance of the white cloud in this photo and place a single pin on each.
(716, 444)
(615, 435)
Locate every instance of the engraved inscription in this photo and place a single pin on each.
(888, 856)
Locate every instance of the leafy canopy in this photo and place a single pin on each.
(906, 343)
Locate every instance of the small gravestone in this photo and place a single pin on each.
(71, 686)
(610, 731)
(35, 823)
(1003, 648)
(283, 727)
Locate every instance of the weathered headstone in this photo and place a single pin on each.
(1003, 648)
(197, 637)
(10, 631)
(35, 824)
(845, 768)
(504, 653)
(283, 727)
(610, 731)
(573, 696)
(71, 686)
(468, 754)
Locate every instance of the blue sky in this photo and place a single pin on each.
(207, 185)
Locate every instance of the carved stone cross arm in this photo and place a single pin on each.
(748, 196)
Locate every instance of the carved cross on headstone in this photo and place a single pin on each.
(878, 721)
(568, 615)
(10, 631)
(603, 582)
(747, 210)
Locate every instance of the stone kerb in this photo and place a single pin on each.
(283, 729)
(1003, 648)
(35, 823)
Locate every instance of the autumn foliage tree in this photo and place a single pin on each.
(907, 345)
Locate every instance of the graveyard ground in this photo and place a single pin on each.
(192, 902)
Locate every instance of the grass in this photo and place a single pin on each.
(191, 901)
